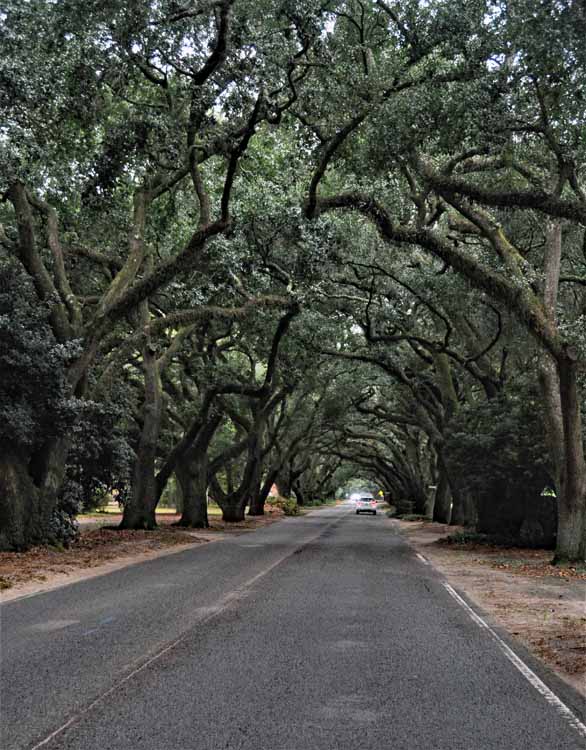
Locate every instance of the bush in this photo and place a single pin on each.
(287, 505)
(474, 537)
(36, 403)
(100, 458)
(413, 517)
(497, 451)
(501, 441)
(279, 501)
(290, 508)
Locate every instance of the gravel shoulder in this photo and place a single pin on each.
(542, 606)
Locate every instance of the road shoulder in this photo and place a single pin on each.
(542, 607)
(101, 550)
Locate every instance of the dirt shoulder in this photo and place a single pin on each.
(541, 605)
(102, 549)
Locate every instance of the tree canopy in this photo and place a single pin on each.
(246, 244)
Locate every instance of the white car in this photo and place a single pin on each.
(366, 505)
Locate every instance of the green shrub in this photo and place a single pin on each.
(290, 508)
(473, 537)
(500, 443)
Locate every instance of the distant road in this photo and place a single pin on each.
(319, 632)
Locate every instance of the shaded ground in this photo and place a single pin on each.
(542, 605)
(101, 549)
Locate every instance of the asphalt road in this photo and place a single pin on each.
(318, 632)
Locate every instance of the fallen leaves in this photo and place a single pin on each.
(541, 604)
(103, 544)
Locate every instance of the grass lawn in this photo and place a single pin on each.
(113, 509)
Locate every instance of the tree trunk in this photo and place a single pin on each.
(197, 437)
(29, 492)
(253, 498)
(192, 473)
(263, 492)
(233, 513)
(471, 513)
(233, 503)
(572, 500)
(193, 480)
(22, 516)
(257, 501)
(553, 418)
(462, 508)
(139, 511)
(299, 494)
(442, 510)
(434, 473)
(564, 421)
(462, 503)
(429, 509)
(549, 379)
(283, 482)
(445, 495)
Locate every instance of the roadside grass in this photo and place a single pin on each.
(113, 509)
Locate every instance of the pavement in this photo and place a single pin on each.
(319, 632)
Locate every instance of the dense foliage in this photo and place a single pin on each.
(246, 244)
(35, 400)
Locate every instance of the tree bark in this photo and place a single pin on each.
(442, 510)
(192, 473)
(22, 515)
(257, 502)
(233, 513)
(29, 491)
(253, 499)
(549, 374)
(564, 420)
(571, 543)
(283, 486)
(299, 494)
(192, 478)
(265, 489)
(139, 511)
(462, 507)
(554, 421)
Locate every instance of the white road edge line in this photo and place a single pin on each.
(223, 603)
(528, 673)
(423, 559)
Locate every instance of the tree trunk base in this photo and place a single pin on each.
(138, 524)
(195, 524)
(232, 515)
(256, 511)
